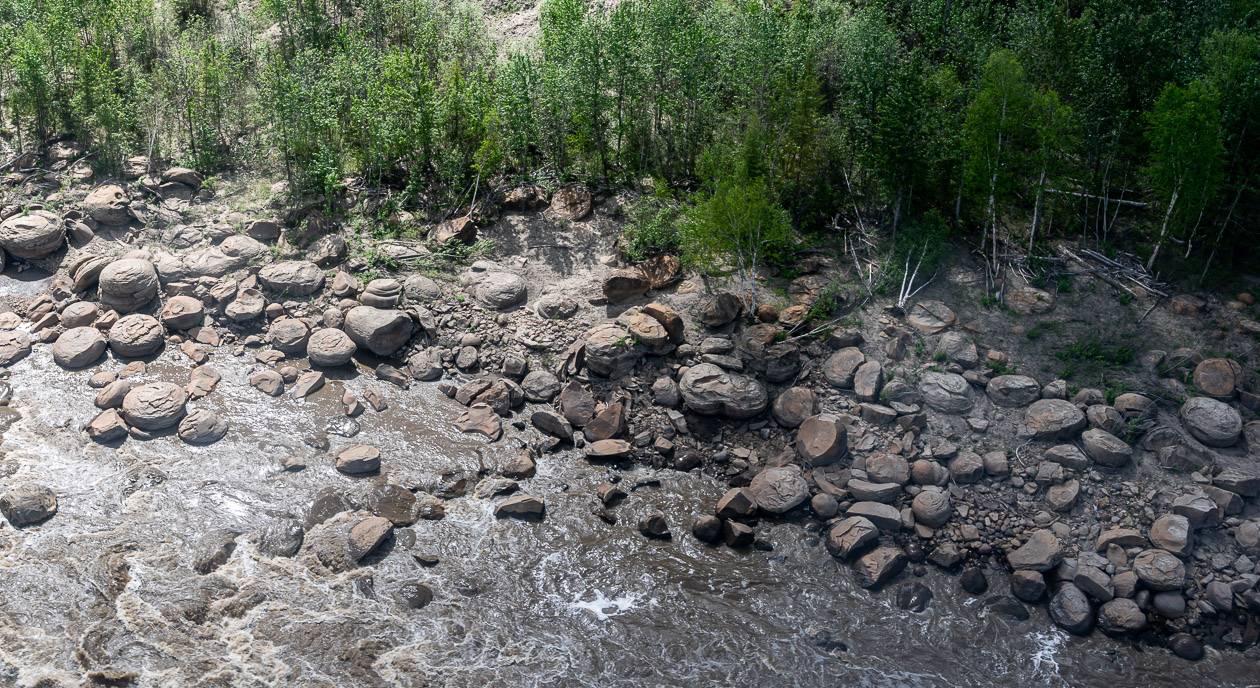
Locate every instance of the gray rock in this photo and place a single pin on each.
(202, 426)
(841, 366)
(128, 285)
(540, 386)
(1173, 532)
(381, 331)
(1212, 422)
(946, 392)
(154, 406)
(27, 504)
(1121, 616)
(1070, 610)
(1159, 570)
(850, 536)
(779, 489)
(79, 347)
(1013, 390)
(292, 278)
(1106, 449)
(931, 508)
(884, 516)
(709, 390)
(1054, 419)
(32, 236)
(500, 290)
(1042, 552)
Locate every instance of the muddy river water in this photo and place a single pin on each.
(108, 584)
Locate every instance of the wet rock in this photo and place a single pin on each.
(1186, 646)
(381, 331)
(32, 236)
(107, 426)
(777, 490)
(973, 581)
(1106, 449)
(521, 506)
(737, 503)
(914, 597)
(1121, 616)
(136, 336)
(27, 504)
(393, 502)
(720, 309)
(1013, 391)
(292, 278)
(154, 406)
(1212, 422)
(308, 383)
(288, 335)
(1169, 604)
(931, 317)
(821, 440)
(500, 290)
(608, 450)
(281, 538)
(1028, 586)
(366, 535)
(552, 424)
(1159, 570)
(1070, 610)
(610, 422)
(946, 392)
(1054, 419)
(884, 516)
(14, 346)
(79, 347)
(359, 459)
(654, 525)
(415, 595)
(707, 528)
(709, 390)
(330, 348)
(268, 382)
(1042, 552)
(480, 419)
(213, 550)
(851, 536)
(202, 426)
(931, 508)
(878, 566)
(182, 313)
(128, 285)
(1218, 377)
(1173, 533)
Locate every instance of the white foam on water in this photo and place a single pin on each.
(1044, 660)
(605, 608)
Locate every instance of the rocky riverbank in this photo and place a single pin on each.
(903, 439)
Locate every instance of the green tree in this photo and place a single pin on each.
(1186, 157)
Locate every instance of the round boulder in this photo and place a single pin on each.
(1218, 377)
(821, 439)
(294, 277)
(710, 390)
(946, 392)
(1013, 390)
(154, 406)
(32, 236)
(931, 508)
(107, 205)
(288, 335)
(79, 347)
(28, 504)
(1054, 419)
(793, 406)
(611, 351)
(1212, 422)
(202, 426)
(182, 313)
(500, 290)
(779, 489)
(135, 336)
(128, 285)
(330, 348)
(1160, 570)
(381, 331)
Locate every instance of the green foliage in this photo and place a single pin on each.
(1093, 350)
(652, 229)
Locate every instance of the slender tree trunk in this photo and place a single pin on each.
(1163, 230)
(1032, 231)
(1221, 233)
(896, 215)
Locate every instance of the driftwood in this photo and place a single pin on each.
(1126, 273)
